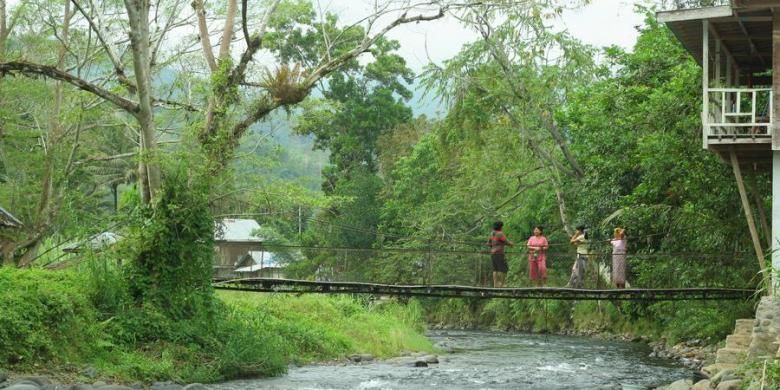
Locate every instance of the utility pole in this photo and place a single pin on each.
(300, 228)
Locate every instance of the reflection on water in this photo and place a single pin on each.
(485, 360)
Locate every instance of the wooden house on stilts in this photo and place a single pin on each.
(737, 44)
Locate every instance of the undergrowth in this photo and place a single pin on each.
(65, 321)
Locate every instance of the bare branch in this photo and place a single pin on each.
(107, 158)
(172, 103)
(244, 26)
(119, 69)
(253, 45)
(169, 25)
(333, 64)
(31, 69)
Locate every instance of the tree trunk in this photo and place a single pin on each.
(53, 139)
(562, 209)
(3, 29)
(227, 33)
(138, 19)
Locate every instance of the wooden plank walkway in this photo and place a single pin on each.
(454, 291)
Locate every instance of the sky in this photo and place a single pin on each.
(600, 23)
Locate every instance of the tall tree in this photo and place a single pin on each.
(528, 70)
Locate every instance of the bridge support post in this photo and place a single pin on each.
(775, 129)
(775, 247)
(749, 214)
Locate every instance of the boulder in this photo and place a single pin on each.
(90, 372)
(3, 376)
(99, 384)
(166, 386)
(195, 386)
(420, 363)
(361, 357)
(729, 376)
(682, 384)
(112, 387)
(82, 386)
(733, 384)
(39, 379)
(56, 387)
(431, 359)
(702, 385)
(23, 386)
(717, 378)
(24, 382)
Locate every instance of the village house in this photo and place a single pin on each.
(239, 251)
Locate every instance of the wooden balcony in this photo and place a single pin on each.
(733, 42)
(740, 121)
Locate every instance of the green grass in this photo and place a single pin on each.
(321, 327)
(59, 323)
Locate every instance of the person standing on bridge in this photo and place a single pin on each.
(537, 256)
(579, 240)
(619, 246)
(497, 242)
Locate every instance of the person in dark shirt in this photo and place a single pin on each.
(497, 242)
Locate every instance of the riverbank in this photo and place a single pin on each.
(78, 327)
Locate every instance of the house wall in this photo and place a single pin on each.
(228, 253)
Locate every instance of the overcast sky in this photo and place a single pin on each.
(601, 23)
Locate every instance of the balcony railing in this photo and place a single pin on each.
(739, 112)
(674, 5)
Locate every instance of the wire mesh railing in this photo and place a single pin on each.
(420, 266)
(675, 5)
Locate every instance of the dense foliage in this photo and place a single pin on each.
(67, 319)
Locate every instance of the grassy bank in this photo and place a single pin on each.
(672, 321)
(60, 323)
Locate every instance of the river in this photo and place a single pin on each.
(489, 360)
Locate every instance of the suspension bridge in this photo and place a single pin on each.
(275, 285)
(466, 274)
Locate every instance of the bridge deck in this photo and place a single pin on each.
(454, 291)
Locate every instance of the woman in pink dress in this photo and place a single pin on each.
(619, 245)
(537, 258)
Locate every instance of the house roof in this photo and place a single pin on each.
(8, 220)
(744, 30)
(237, 230)
(97, 242)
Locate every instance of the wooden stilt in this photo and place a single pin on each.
(761, 212)
(749, 216)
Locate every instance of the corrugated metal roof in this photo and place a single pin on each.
(8, 220)
(237, 230)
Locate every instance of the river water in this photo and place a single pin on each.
(488, 360)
